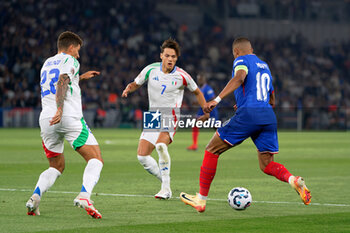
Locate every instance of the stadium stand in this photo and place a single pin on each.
(120, 39)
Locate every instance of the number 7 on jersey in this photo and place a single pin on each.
(164, 86)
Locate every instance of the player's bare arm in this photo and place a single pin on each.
(62, 86)
(272, 99)
(89, 74)
(230, 87)
(130, 88)
(201, 101)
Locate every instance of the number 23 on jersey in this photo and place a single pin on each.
(54, 75)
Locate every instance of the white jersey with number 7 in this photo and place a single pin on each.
(165, 90)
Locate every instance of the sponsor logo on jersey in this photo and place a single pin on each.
(156, 78)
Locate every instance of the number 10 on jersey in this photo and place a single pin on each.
(262, 86)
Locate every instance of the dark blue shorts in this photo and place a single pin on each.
(263, 136)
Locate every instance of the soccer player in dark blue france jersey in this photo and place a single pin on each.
(209, 94)
(252, 86)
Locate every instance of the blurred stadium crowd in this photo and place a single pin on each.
(121, 38)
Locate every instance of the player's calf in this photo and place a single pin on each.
(150, 165)
(164, 165)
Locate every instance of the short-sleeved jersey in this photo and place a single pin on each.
(53, 67)
(165, 90)
(253, 95)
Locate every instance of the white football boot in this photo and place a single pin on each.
(87, 204)
(164, 194)
(33, 205)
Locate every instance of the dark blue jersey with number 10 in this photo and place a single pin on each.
(253, 95)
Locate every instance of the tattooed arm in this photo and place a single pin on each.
(61, 90)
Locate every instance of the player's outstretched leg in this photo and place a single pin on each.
(280, 172)
(90, 179)
(46, 179)
(195, 133)
(150, 165)
(164, 165)
(207, 174)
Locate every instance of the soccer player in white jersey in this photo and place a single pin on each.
(62, 118)
(166, 84)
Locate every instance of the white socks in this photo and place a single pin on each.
(91, 176)
(164, 164)
(150, 165)
(291, 180)
(46, 179)
(202, 197)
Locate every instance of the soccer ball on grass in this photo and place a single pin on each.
(239, 198)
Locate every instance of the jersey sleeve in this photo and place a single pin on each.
(188, 80)
(70, 66)
(144, 74)
(240, 63)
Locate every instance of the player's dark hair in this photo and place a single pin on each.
(171, 44)
(67, 39)
(240, 40)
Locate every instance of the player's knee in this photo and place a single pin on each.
(213, 149)
(262, 167)
(161, 147)
(264, 159)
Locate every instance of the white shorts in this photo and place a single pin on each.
(73, 129)
(152, 137)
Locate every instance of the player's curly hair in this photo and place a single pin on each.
(67, 39)
(172, 44)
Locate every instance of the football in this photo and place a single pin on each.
(239, 198)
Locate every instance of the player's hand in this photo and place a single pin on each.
(89, 74)
(210, 106)
(57, 117)
(125, 92)
(204, 117)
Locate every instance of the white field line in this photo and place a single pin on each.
(211, 199)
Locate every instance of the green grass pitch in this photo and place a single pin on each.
(124, 194)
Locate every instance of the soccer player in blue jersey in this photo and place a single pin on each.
(252, 85)
(209, 94)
